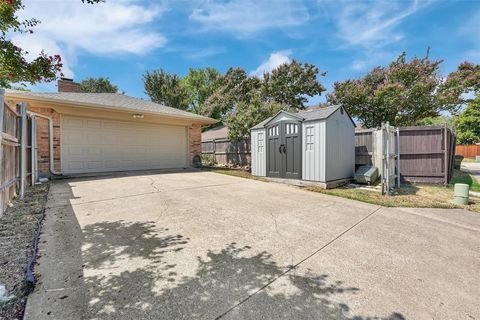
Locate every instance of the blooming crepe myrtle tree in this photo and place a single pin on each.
(405, 92)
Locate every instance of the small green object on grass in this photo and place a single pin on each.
(460, 195)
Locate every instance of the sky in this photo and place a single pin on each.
(122, 39)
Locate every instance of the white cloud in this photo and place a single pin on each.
(371, 23)
(246, 17)
(69, 27)
(274, 60)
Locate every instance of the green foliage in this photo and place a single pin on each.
(466, 79)
(98, 85)
(14, 67)
(243, 101)
(249, 113)
(200, 84)
(403, 93)
(290, 83)
(208, 160)
(166, 88)
(468, 123)
(436, 121)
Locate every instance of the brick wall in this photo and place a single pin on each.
(67, 85)
(43, 140)
(195, 141)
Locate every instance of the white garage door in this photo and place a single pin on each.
(95, 145)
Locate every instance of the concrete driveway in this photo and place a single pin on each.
(200, 245)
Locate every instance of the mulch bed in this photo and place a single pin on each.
(17, 232)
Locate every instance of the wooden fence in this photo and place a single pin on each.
(468, 150)
(15, 153)
(426, 153)
(227, 152)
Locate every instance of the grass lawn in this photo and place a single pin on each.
(17, 231)
(464, 177)
(468, 160)
(419, 196)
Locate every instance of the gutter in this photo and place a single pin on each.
(194, 118)
(50, 141)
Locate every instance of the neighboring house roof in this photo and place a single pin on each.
(110, 101)
(305, 115)
(220, 132)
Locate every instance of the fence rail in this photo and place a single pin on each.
(468, 150)
(227, 152)
(15, 151)
(426, 152)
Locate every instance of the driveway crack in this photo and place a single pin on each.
(275, 222)
(298, 263)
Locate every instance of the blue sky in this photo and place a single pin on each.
(121, 39)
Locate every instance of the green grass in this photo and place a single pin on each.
(468, 160)
(464, 177)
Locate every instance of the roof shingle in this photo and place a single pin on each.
(110, 100)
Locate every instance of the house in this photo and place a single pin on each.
(219, 132)
(314, 145)
(101, 132)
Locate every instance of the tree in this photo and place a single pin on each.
(468, 123)
(166, 88)
(98, 85)
(290, 83)
(402, 93)
(248, 114)
(234, 86)
(14, 67)
(242, 101)
(200, 84)
(460, 84)
(437, 121)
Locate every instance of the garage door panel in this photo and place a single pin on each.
(95, 145)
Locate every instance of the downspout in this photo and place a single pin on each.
(50, 141)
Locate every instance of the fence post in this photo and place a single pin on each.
(445, 138)
(398, 157)
(33, 148)
(23, 147)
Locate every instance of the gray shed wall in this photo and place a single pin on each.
(340, 146)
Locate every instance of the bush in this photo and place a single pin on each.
(208, 160)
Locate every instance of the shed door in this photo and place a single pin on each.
(284, 150)
(99, 145)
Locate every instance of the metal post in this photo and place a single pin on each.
(398, 157)
(23, 147)
(445, 153)
(33, 149)
(387, 162)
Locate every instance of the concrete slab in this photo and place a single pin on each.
(199, 245)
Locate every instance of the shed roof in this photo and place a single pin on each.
(306, 115)
(109, 101)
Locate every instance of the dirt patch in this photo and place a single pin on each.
(17, 232)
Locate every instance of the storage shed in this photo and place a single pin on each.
(316, 145)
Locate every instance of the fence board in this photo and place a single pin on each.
(227, 152)
(426, 153)
(468, 151)
(10, 143)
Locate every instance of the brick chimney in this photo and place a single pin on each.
(67, 85)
